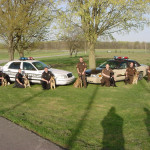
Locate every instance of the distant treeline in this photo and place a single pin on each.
(64, 45)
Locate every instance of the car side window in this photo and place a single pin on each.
(123, 65)
(137, 64)
(28, 66)
(15, 65)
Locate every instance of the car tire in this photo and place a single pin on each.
(140, 76)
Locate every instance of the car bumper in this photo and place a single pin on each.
(94, 79)
(65, 81)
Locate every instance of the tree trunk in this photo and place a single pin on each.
(21, 53)
(11, 53)
(11, 48)
(92, 63)
(85, 47)
(70, 52)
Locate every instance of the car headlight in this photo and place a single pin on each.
(93, 75)
(96, 75)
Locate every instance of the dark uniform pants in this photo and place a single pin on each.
(83, 78)
(105, 81)
(45, 85)
(129, 79)
(17, 85)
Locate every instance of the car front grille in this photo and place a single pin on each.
(69, 75)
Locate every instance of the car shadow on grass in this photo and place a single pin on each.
(2, 112)
(81, 123)
(147, 120)
(113, 138)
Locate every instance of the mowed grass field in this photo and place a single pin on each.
(94, 118)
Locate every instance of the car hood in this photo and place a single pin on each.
(56, 71)
(59, 71)
(94, 71)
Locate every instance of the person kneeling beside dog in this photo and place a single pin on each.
(19, 81)
(106, 73)
(130, 72)
(45, 81)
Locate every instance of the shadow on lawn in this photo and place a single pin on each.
(147, 120)
(82, 121)
(19, 104)
(112, 131)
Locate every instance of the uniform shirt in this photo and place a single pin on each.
(47, 75)
(131, 71)
(107, 72)
(19, 76)
(81, 66)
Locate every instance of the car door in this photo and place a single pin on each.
(119, 73)
(13, 69)
(30, 70)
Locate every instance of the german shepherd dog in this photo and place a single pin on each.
(26, 81)
(135, 78)
(112, 81)
(52, 82)
(78, 83)
(5, 80)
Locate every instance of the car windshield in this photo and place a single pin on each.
(39, 65)
(114, 65)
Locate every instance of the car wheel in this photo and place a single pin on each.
(140, 76)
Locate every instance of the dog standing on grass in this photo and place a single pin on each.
(78, 83)
(135, 78)
(52, 83)
(26, 81)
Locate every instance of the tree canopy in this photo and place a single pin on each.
(24, 22)
(100, 18)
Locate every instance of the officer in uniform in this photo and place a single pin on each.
(45, 79)
(19, 81)
(148, 74)
(130, 72)
(81, 68)
(106, 76)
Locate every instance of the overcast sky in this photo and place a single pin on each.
(141, 36)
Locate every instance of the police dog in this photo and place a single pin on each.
(112, 81)
(4, 82)
(52, 82)
(78, 83)
(135, 78)
(26, 81)
(5, 79)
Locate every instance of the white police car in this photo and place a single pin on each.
(34, 69)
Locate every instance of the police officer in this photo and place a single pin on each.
(81, 68)
(46, 76)
(130, 72)
(148, 74)
(19, 81)
(106, 76)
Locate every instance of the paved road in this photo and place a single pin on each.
(14, 137)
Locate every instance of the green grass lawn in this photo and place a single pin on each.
(94, 118)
